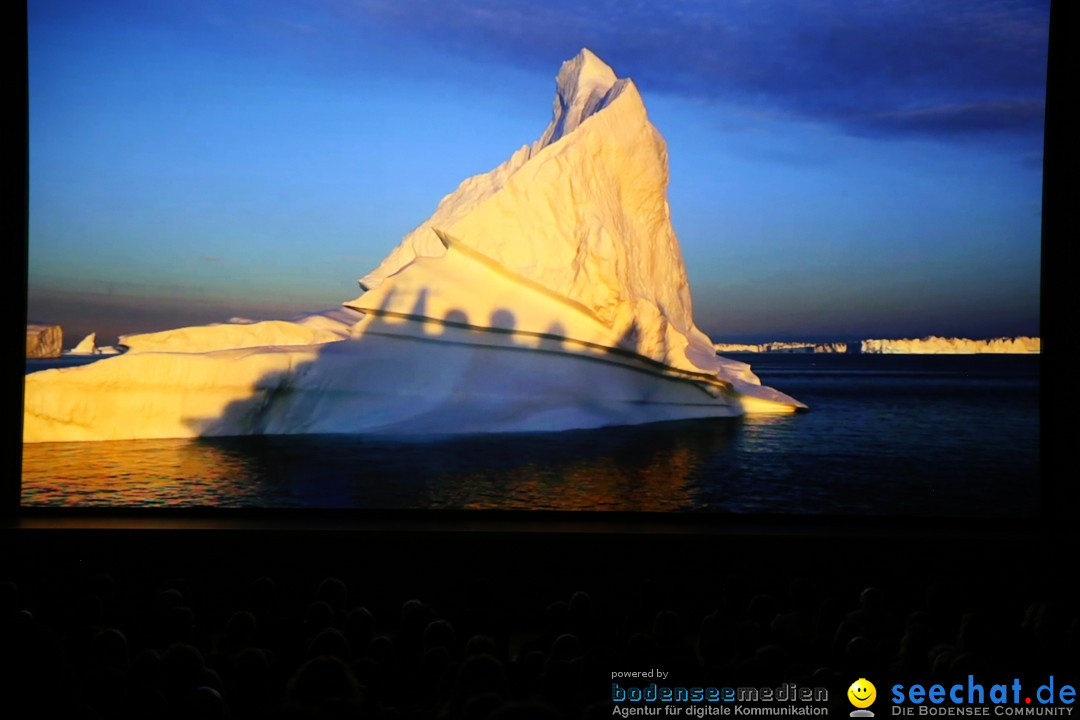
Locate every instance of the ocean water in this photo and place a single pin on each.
(914, 436)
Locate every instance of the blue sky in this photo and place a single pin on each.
(838, 169)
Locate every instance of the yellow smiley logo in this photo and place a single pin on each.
(862, 693)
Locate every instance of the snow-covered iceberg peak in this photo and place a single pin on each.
(583, 212)
(584, 86)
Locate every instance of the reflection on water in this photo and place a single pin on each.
(885, 436)
(154, 472)
(651, 468)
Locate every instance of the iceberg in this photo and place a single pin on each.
(783, 347)
(86, 346)
(934, 345)
(548, 294)
(309, 329)
(44, 341)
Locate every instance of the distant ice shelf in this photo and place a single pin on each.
(923, 346)
(548, 294)
(782, 347)
(954, 346)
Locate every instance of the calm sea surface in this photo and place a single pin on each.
(886, 435)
